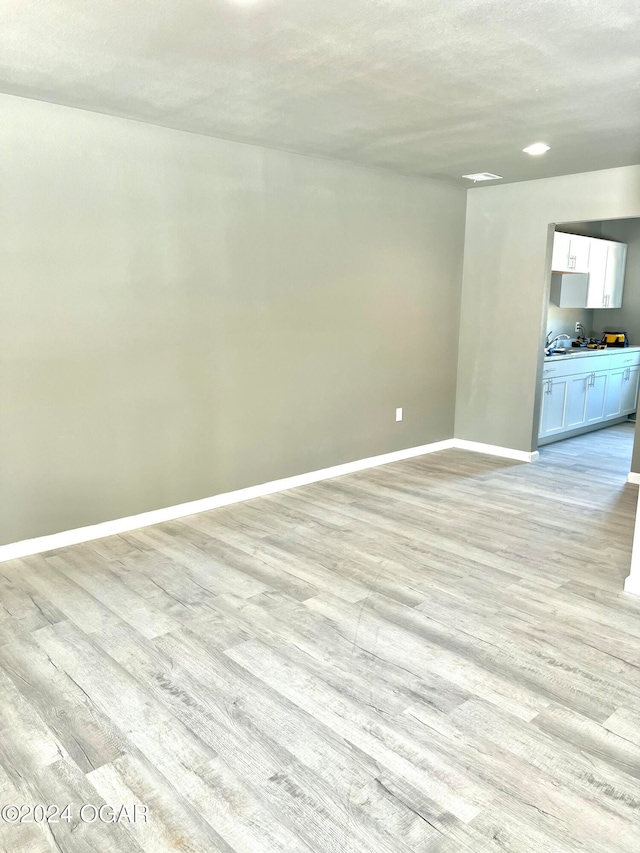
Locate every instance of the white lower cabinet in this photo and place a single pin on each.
(554, 406)
(615, 385)
(588, 398)
(570, 402)
(630, 391)
(622, 391)
(596, 394)
(577, 388)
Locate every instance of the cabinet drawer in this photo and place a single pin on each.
(567, 366)
(624, 359)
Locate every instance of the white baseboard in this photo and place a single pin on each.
(495, 450)
(26, 547)
(632, 584)
(633, 478)
(133, 522)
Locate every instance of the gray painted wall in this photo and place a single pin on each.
(506, 290)
(588, 229)
(562, 321)
(182, 316)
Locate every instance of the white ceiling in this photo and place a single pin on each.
(428, 87)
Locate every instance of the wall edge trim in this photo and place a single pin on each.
(496, 450)
(632, 584)
(53, 541)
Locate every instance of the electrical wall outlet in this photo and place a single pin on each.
(399, 414)
(577, 328)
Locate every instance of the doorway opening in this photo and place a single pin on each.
(590, 376)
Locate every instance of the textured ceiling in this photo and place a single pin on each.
(417, 86)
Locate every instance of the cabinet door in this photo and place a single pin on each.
(596, 395)
(579, 251)
(570, 290)
(597, 274)
(614, 275)
(560, 258)
(630, 390)
(554, 400)
(613, 397)
(576, 400)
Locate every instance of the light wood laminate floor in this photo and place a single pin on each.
(433, 655)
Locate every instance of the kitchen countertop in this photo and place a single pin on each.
(575, 352)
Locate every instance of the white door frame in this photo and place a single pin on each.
(632, 583)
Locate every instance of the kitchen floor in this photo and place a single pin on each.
(432, 655)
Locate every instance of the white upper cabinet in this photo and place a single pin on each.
(570, 253)
(597, 274)
(579, 252)
(614, 275)
(561, 249)
(603, 260)
(570, 290)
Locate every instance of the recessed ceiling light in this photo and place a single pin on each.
(483, 176)
(536, 149)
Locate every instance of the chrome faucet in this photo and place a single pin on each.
(550, 344)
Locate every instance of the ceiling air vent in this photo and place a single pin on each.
(483, 176)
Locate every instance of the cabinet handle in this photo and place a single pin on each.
(592, 380)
